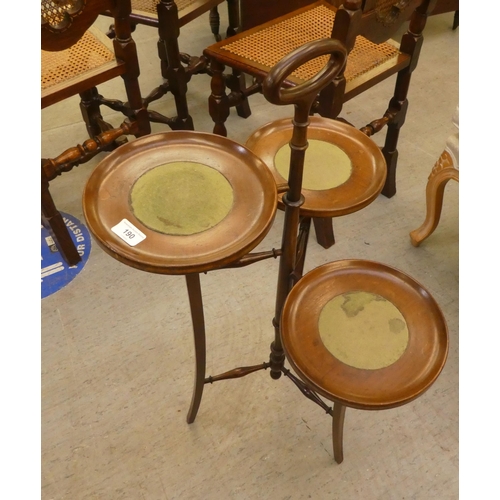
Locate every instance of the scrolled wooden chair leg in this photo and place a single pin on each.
(442, 172)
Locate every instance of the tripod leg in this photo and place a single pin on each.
(338, 432)
(197, 317)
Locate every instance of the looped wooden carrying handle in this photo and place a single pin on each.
(304, 93)
(302, 96)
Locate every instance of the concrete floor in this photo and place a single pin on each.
(117, 353)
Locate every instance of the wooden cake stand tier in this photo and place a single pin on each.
(107, 201)
(360, 186)
(396, 382)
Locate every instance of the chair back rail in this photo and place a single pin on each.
(63, 23)
(382, 18)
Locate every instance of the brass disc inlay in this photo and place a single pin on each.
(363, 330)
(326, 166)
(181, 198)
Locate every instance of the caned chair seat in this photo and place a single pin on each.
(344, 170)
(91, 61)
(366, 29)
(262, 47)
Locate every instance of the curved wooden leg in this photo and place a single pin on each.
(442, 172)
(338, 431)
(197, 317)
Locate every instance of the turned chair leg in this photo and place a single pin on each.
(54, 223)
(218, 102)
(236, 83)
(338, 432)
(171, 67)
(90, 107)
(91, 113)
(233, 13)
(390, 150)
(411, 43)
(442, 172)
(214, 19)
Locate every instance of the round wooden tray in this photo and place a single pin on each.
(368, 166)
(107, 201)
(414, 370)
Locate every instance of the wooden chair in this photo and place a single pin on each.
(365, 27)
(145, 12)
(177, 68)
(75, 59)
(445, 169)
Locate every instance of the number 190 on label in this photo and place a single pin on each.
(128, 232)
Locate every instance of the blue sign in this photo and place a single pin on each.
(55, 270)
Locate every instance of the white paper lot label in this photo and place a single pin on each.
(128, 233)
